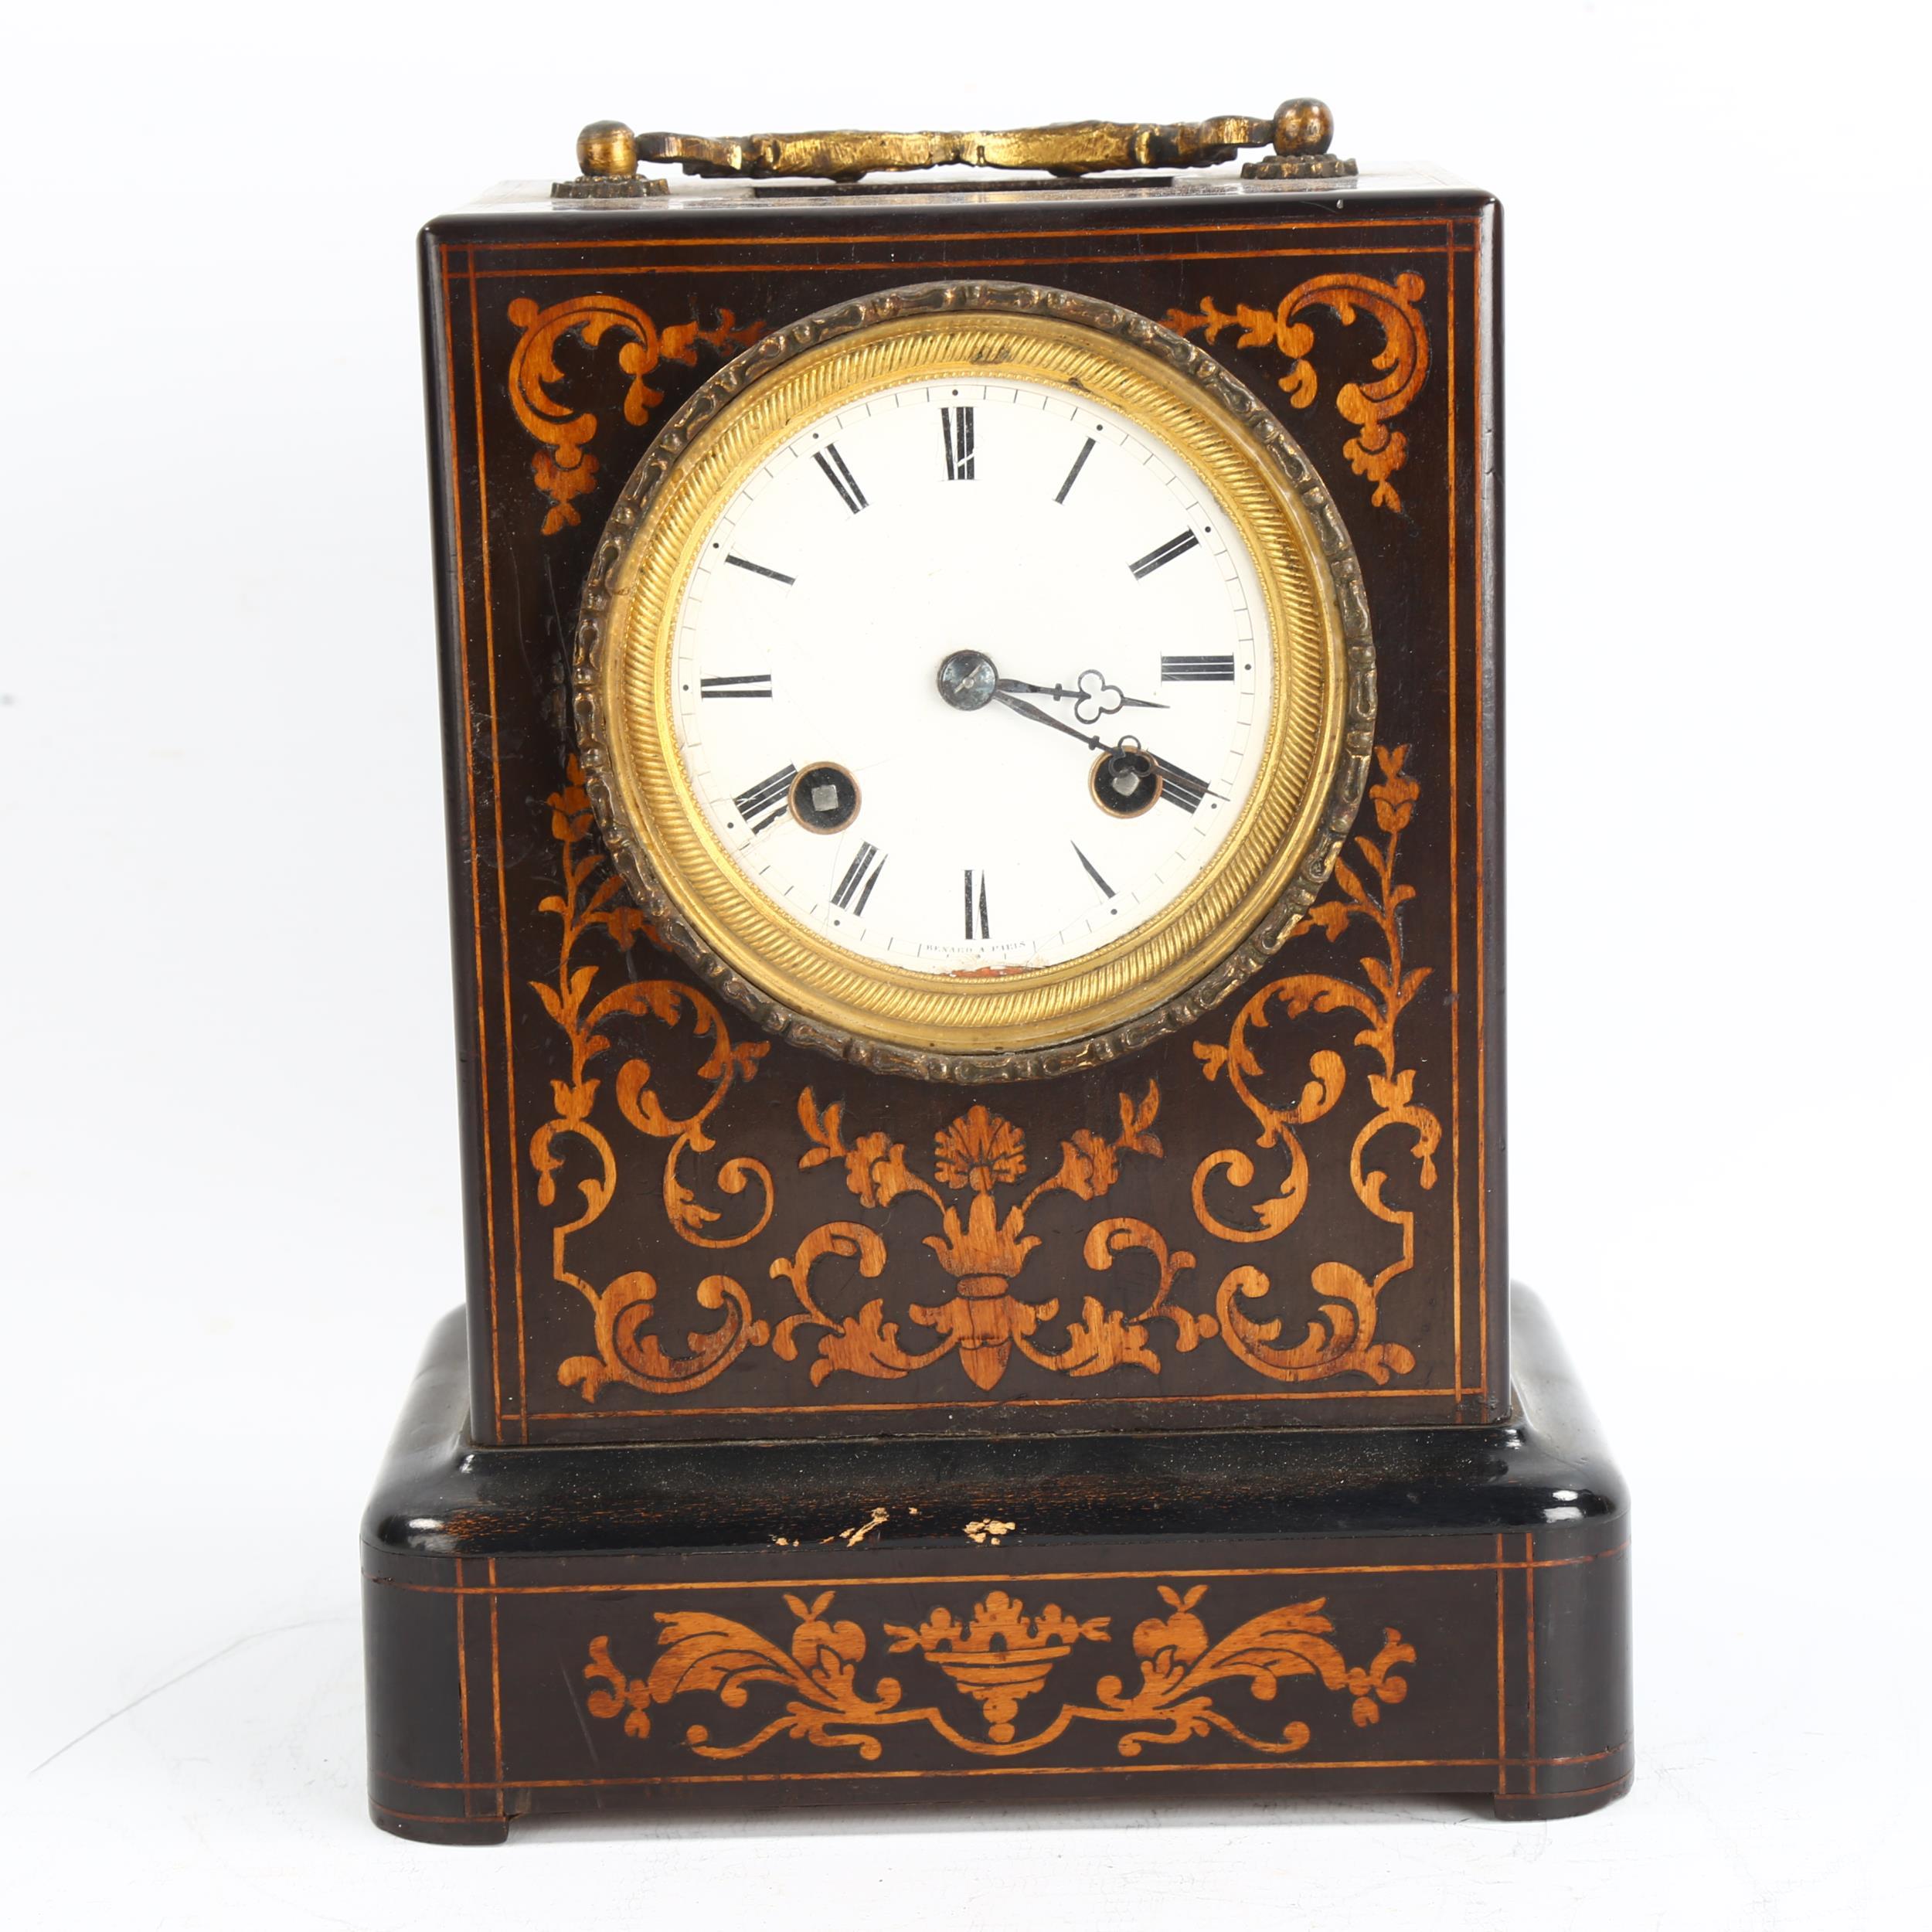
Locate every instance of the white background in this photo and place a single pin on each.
(229, 1167)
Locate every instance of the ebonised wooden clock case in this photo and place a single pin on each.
(816, 1434)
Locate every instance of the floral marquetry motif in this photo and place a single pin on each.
(564, 467)
(998, 1659)
(979, 1182)
(1343, 1337)
(973, 1157)
(1375, 451)
(590, 905)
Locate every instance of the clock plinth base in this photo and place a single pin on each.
(1228, 1615)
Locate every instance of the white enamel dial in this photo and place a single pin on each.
(1025, 535)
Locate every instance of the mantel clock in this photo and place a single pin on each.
(971, 725)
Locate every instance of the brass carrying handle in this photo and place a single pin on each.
(1299, 131)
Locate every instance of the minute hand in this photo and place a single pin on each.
(1182, 787)
(1039, 717)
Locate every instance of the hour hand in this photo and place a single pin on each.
(1094, 695)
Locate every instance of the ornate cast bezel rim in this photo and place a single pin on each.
(1339, 803)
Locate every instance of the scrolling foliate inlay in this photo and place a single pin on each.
(592, 903)
(971, 1181)
(1377, 451)
(998, 1659)
(973, 1158)
(564, 468)
(1343, 1339)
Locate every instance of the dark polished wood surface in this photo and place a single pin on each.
(1404, 1610)
(1246, 1492)
(558, 339)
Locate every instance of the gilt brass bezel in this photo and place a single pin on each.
(1044, 1020)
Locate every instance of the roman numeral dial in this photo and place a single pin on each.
(1073, 475)
(762, 805)
(1105, 704)
(1093, 871)
(1179, 788)
(1164, 553)
(958, 424)
(760, 569)
(1206, 669)
(854, 888)
(977, 927)
(840, 476)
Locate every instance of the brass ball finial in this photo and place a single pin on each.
(1303, 127)
(607, 149)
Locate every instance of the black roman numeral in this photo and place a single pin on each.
(757, 686)
(759, 569)
(984, 931)
(861, 875)
(841, 479)
(1073, 475)
(1092, 871)
(768, 800)
(1180, 787)
(957, 425)
(1197, 670)
(1174, 546)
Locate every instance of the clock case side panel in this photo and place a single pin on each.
(459, 591)
(1493, 1176)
